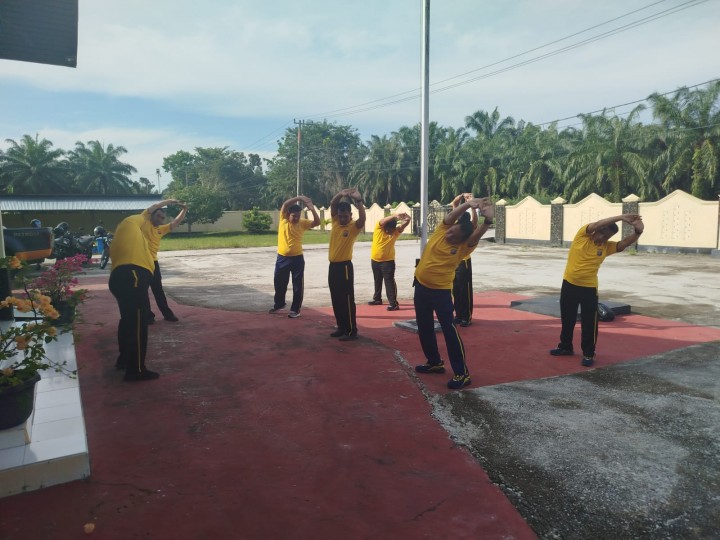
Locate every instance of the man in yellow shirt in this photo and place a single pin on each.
(580, 282)
(453, 239)
(462, 284)
(132, 268)
(341, 279)
(290, 259)
(154, 228)
(382, 258)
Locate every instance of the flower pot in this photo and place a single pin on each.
(17, 402)
(67, 314)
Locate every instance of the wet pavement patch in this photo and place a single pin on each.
(628, 451)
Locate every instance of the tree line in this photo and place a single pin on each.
(490, 155)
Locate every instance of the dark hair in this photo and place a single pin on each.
(390, 226)
(157, 210)
(466, 226)
(344, 207)
(294, 209)
(612, 228)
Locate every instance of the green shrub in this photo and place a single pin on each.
(256, 221)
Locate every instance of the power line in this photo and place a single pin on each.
(368, 106)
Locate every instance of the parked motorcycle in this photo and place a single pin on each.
(69, 244)
(102, 241)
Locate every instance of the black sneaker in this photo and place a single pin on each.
(338, 333)
(276, 309)
(348, 337)
(146, 375)
(395, 307)
(587, 361)
(171, 317)
(465, 323)
(561, 352)
(375, 303)
(458, 382)
(430, 368)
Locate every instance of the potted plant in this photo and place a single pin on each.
(22, 351)
(59, 283)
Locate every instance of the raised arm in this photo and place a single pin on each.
(310, 206)
(487, 209)
(455, 214)
(638, 228)
(179, 218)
(627, 218)
(356, 196)
(403, 221)
(287, 204)
(157, 206)
(336, 200)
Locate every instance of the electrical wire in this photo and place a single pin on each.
(415, 93)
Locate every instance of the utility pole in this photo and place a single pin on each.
(157, 171)
(299, 124)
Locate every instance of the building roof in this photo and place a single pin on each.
(58, 203)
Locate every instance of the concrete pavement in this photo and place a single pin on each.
(263, 427)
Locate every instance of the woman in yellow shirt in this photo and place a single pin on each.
(454, 239)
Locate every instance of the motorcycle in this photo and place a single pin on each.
(103, 239)
(69, 244)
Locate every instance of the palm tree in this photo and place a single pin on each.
(32, 166)
(449, 162)
(611, 158)
(98, 170)
(691, 140)
(379, 176)
(546, 153)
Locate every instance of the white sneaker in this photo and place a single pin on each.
(293, 315)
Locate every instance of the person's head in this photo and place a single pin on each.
(603, 234)
(157, 218)
(390, 226)
(36, 223)
(294, 213)
(460, 231)
(344, 213)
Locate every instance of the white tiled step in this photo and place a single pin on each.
(57, 452)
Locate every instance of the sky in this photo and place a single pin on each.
(161, 76)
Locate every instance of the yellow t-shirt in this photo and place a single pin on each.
(153, 234)
(383, 244)
(342, 239)
(436, 269)
(585, 258)
(290, 236)
(130, 246)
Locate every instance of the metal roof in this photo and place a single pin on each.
(50, 203)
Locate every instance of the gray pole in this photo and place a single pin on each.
(424, 125)
(157, 171)
(299, 135)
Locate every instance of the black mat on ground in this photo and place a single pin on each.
(550, 305)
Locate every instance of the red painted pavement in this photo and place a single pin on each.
(264, 427)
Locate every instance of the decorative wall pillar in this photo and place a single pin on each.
(631, 205)
(500, 222)
(556, 221)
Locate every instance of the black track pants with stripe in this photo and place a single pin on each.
(129, 285)
(341, 281)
